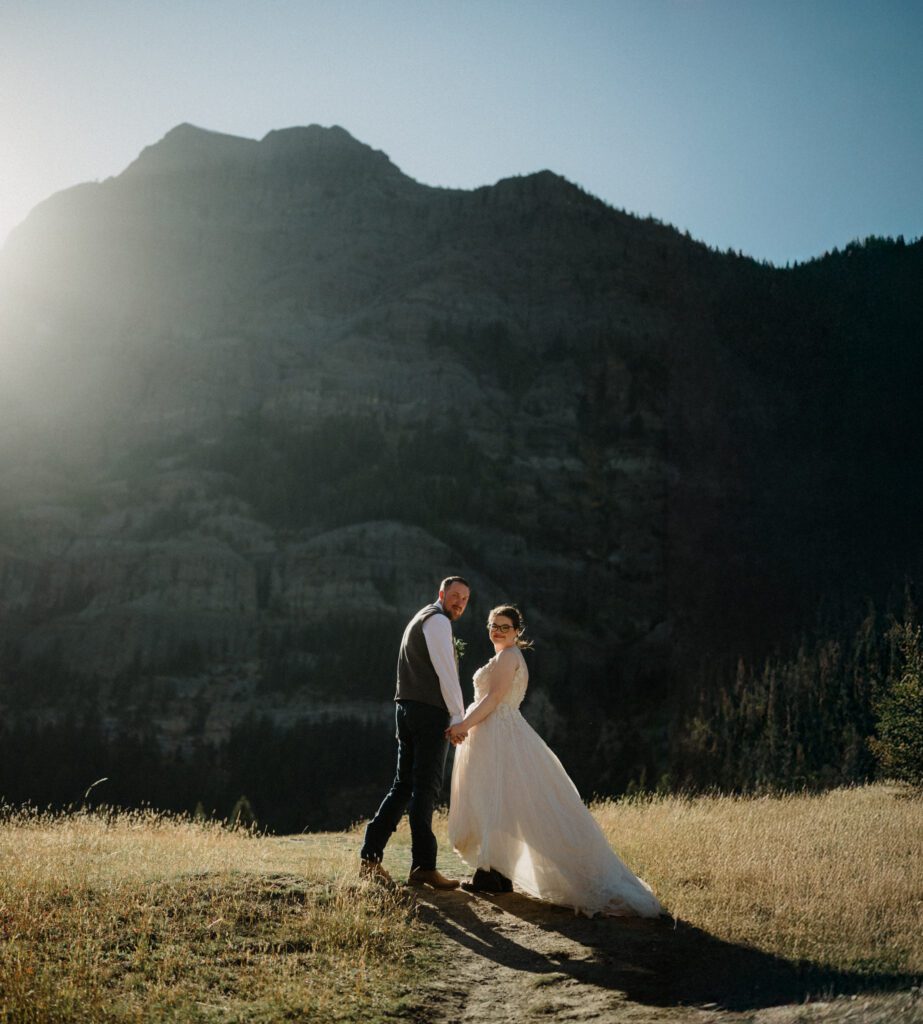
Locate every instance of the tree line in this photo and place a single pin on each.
(845, 707)
(305, 776)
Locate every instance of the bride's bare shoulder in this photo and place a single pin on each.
(511, 658)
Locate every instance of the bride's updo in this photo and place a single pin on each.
(516, 617)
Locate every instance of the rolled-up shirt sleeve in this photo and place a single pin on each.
(437, 632)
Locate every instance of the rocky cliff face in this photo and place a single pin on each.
(260, 396)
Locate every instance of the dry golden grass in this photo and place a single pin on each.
(145, 917)
(834, 878)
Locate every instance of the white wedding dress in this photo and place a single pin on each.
(515, 809)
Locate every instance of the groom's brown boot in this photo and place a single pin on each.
(374, 872)
(434, 878)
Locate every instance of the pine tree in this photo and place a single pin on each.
(899, 745)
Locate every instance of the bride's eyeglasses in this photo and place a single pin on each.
(495, 627)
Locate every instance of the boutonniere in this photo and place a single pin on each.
(460, 647)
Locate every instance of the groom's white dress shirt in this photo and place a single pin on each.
(437, 632)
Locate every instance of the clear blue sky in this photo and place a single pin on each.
(778, 127)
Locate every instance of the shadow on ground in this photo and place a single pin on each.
(658, 963)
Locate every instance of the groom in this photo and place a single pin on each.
(429, 700)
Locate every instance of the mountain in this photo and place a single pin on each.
(259, 396)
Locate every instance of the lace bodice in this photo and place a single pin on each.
(517, 691)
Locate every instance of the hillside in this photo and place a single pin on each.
(259, 396)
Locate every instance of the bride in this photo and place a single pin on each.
(515, 815)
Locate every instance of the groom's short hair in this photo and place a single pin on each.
(449, 580)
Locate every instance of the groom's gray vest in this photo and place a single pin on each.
(416, 678)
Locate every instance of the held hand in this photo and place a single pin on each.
(456, 734)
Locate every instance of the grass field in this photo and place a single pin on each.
(834, 878)
(143, 917)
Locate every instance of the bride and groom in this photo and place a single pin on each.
(515, 817)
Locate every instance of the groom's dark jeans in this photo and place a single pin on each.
(421, 754)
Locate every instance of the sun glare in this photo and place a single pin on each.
(16, 200)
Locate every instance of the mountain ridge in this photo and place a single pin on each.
(243, 406)
(187, 148)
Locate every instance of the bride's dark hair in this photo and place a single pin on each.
(519, 622)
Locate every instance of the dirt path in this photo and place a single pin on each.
(513, 959)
